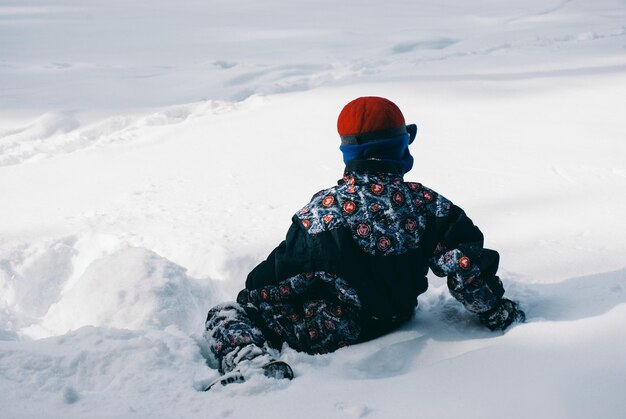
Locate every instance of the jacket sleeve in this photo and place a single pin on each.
(470, 268)
(291, 257)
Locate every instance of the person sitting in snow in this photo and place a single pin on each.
(355, 258)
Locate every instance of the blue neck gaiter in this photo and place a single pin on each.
(394, 150)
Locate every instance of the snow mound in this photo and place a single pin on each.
(31, 279)
(133, 289)
(54, 286)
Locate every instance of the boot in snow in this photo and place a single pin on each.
(278, 370)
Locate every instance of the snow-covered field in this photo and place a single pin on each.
(152, 152)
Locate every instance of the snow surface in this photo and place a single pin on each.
(152, 152)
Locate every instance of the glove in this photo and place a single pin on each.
(503, 315)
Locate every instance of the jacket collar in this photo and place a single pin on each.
(370, 171)
(372, 166)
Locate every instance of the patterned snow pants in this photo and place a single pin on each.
(294, 312)
(315, 327)
(313, 312)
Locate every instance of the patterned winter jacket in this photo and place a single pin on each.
(376, 236)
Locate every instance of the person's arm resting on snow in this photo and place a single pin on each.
(471, 270)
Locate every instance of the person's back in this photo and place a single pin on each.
(356, 256)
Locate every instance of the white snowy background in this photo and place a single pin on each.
(152, 152)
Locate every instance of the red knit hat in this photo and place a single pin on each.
(369, 118)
